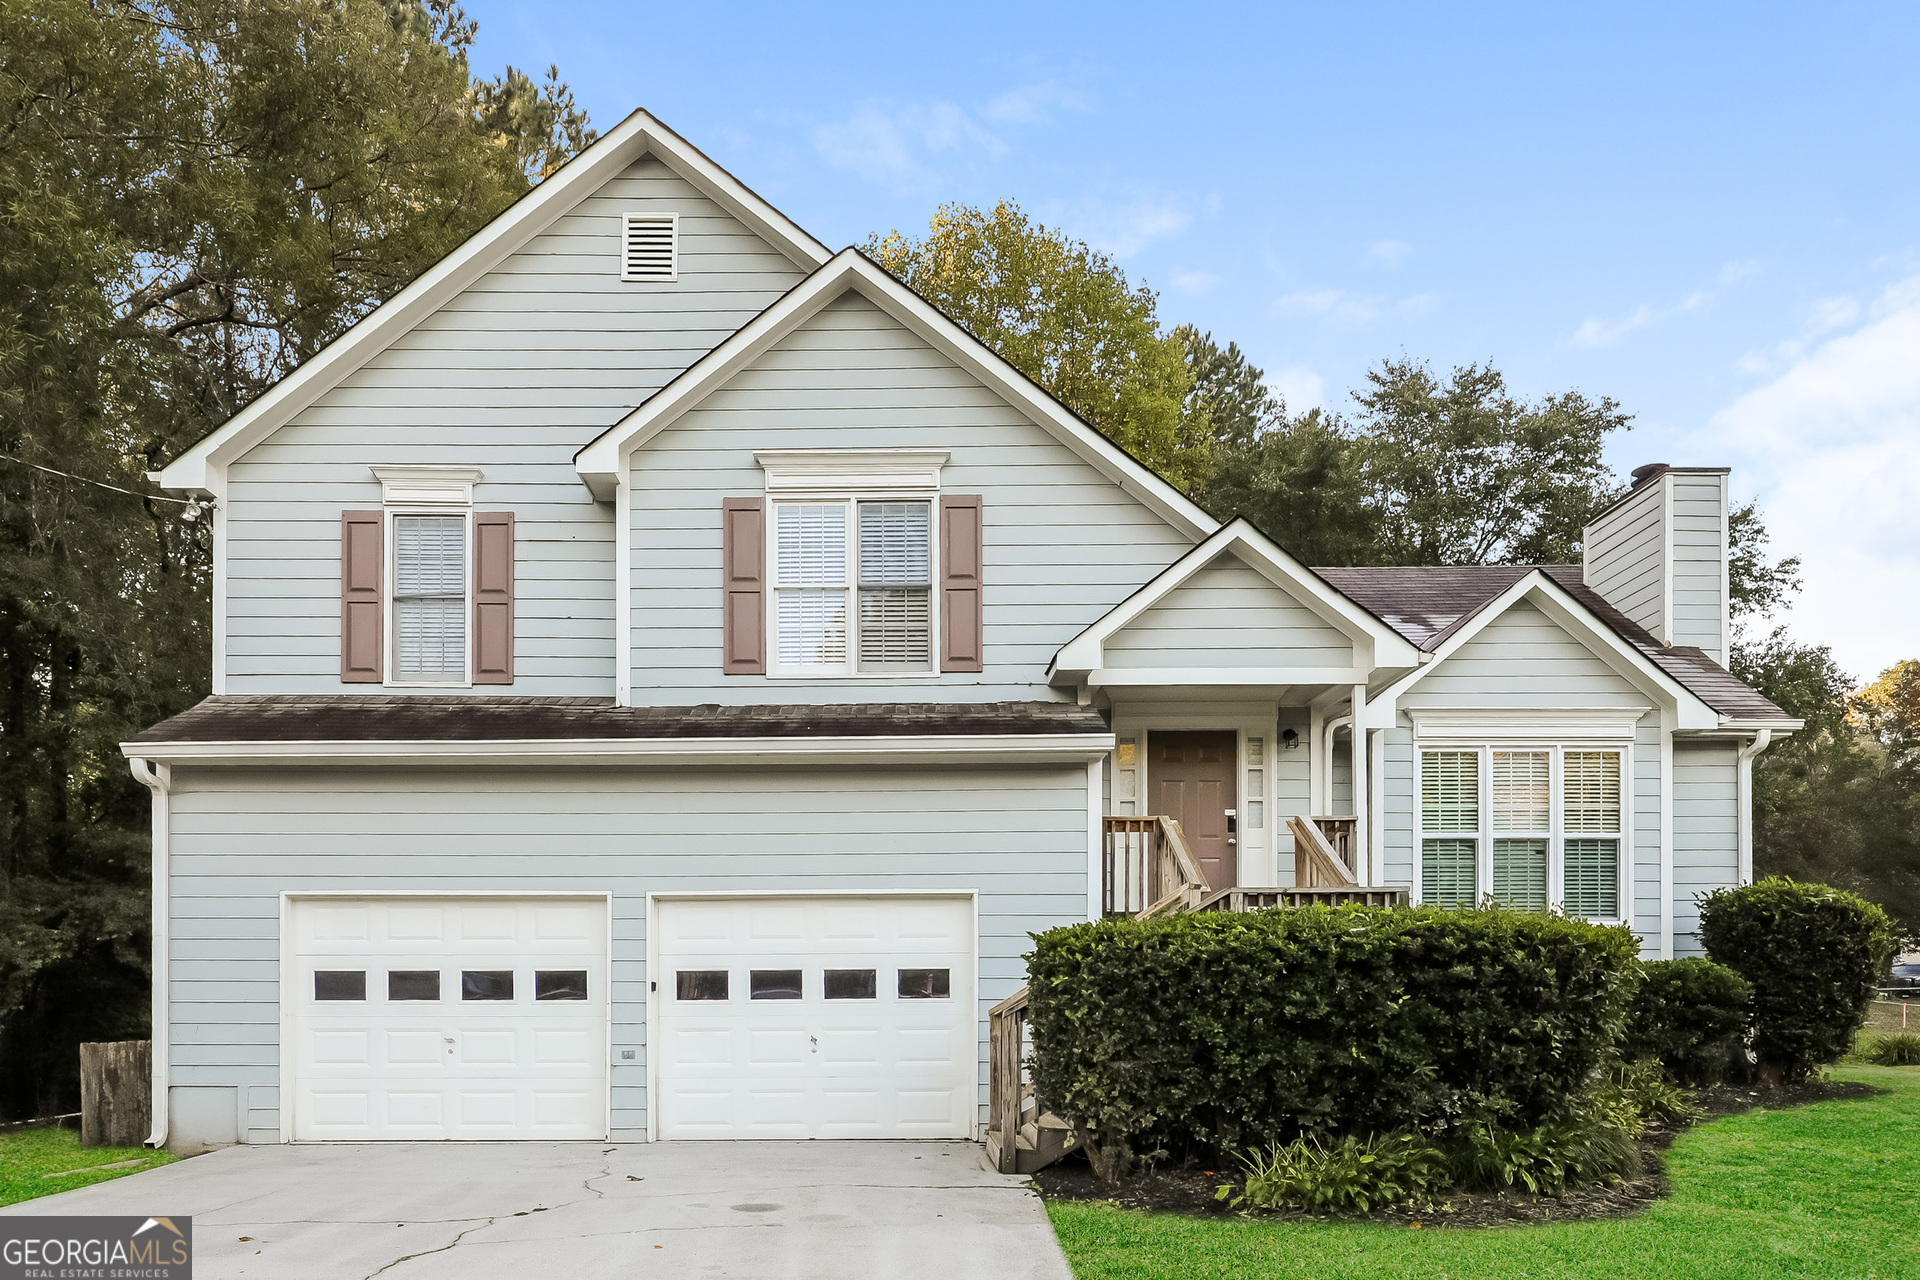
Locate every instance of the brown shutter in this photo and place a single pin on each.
(362, 572)
(493, 597)
(743, 536)
(961, 643)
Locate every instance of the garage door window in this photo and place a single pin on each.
(413, 984)
(700, 984)
(486, 984)
(775, 984)
(925, 984)
(337, 984)
(853, 984)
(560, 984)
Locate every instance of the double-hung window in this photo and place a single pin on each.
(430, 598)
(1525, 827)
(852, 586)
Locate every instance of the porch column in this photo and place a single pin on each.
(1358, 740)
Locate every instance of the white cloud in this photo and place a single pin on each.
(1193, 283)
(1829, 444)
(1124, 226)
(906, 144)
(1342, 305)
(1595, 332)
(1388, 253)
(1299, 386)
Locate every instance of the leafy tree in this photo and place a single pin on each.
(1065, 315)
(1757, 586)
(194, 197)
(1463, 472)
(1229, 393)
(1889, 710)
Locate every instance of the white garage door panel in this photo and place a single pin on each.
(886, 1067)
(376, 1069)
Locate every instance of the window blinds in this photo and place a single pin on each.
(1592, 874)
(1447, 873)
(896, 586)
(810, 565)
(429, 595)
(1450, 791)
(1592, 801)
(1522, 791)
(1520, 874)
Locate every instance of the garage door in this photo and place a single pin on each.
(815, 1018)
(426, 1018)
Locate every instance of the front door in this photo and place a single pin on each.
(1190, 777)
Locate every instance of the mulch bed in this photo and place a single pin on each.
(1192, 1189)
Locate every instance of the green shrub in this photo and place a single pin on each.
(1895, 1049)
(1690, 1015)
(1249, 1029)
(1348, 1175)
(1813, 956)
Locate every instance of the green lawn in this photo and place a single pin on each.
(29, 1155)
(1823, 1191)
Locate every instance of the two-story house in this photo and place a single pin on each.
(663, 672)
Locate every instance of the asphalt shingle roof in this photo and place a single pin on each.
(1428, 603)
(465, 718)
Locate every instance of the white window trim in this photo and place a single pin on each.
(627, 219)
(427, 486)
(841, 473)
(1556, 749)
(850, 670)
(392, 610)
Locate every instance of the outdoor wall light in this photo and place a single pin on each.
(1289, 739)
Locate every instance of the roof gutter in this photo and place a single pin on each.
(159, 780)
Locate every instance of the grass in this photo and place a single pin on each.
(1824, 1192)
(27, 1156)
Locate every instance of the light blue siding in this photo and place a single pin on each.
(1227, 615)
(1063, 544)
(512, 376)
(1291, 770)
(1706, 832)
(1523, 659)
(1699, 547)
(1624, 556)
(240, 838)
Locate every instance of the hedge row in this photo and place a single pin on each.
(1244, 1029)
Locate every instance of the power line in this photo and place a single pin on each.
(195, 503)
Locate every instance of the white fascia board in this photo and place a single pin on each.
(201, 469)
(1243, 677)
(602, 464)
(1599, 639)
(1375, 643)
(1030, 748)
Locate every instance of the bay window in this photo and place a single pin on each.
(1525, 827)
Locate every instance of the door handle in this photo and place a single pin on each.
(814, 1042)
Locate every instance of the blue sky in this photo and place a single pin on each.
(1705, 212)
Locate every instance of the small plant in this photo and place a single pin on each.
(1637, 1092)
(1348, 1175)
(1586, 1146)
(1690, 1015)
(1897, 1049)
(1813, 955)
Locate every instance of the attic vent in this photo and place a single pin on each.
(650, 246)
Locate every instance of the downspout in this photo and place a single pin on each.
(1328, 728)
(159, 780)
(1377, 835)
(1761, 740)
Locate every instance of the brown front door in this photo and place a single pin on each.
(1190, 777)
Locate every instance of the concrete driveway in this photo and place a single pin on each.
(410, 1211)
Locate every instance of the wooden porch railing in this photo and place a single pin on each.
(1021, 1138)
(1261, 899)
(1147, 868)
(1317, 863)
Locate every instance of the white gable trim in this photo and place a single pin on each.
(603, 463)
(202, 468)
(1564, 611)
(1375, 643)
